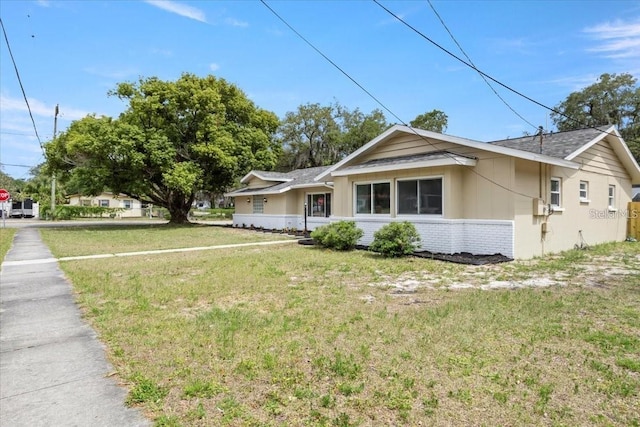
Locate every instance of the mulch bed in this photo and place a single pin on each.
(459, 258)
(465, 258)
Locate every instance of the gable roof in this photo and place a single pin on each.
(283, 181)
(554, 144)
(414, 161)
(266, 176)
(427, 136)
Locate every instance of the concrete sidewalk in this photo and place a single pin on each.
(53, 370)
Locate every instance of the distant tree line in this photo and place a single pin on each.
(194, 136)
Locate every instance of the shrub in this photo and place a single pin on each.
(396, 239)
(341, 235)
(66, 212)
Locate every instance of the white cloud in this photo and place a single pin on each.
(179, 9)
(236, 23)
(162, 52)
(39, 108)
(214, 67)
(43, 3)
(111, 73)
(617, 39)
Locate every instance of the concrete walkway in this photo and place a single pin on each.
(53, 370)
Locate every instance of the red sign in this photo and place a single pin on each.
(4, 195)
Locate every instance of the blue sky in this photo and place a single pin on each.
(72, 52)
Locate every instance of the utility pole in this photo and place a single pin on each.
(53, 174)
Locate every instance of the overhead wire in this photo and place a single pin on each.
(482, 73)
(474, 65)
(24, 94)
(381, 104)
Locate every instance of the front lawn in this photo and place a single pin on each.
(109, 239)
(295, 335)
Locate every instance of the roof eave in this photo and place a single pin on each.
(451, 161)
(261, 191)
(447, 138)
(257, 174)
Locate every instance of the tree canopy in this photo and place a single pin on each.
(173, 140)
(317, 135)
(612, 100)
(434, 120)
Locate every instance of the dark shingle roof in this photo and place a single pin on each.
(559, 144)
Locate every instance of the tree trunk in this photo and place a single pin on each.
(179, 208)
(179, 215)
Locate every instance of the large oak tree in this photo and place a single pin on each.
(612, 100)
(173, 140)
(434, 120)
(316, 135)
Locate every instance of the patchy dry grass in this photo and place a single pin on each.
(296, 335)
(6, 238)
(109, 239)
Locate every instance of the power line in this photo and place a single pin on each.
(15, 133)
(474, 65)
(16, 166)
(385, 107)
(330, 61)
(15, 67)
(482, 73)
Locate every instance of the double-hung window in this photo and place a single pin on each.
(128, 204)
(319, 204)
(373, 198)
(103, 203)
(420, 196)
(612, 197)
(584, 191)
(556, 192)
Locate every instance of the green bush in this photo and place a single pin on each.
(67, 212)
(341, 235)
(396, 239)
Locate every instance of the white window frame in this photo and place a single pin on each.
(612, 198)
(558, 192)
(127, 204)
(104, 203)
(424, 178)
(583, 192)
(371, 207)
(258, 204)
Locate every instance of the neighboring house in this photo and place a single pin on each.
(279, 200)
(202, 204)
(520, 197)
(130, 207)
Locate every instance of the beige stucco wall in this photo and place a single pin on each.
(600, 168)
(466, 192)
(284, 210)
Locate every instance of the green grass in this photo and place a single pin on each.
(107, 239)
(294, 335)
(6, 239)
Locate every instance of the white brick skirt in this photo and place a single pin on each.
(449, 236)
